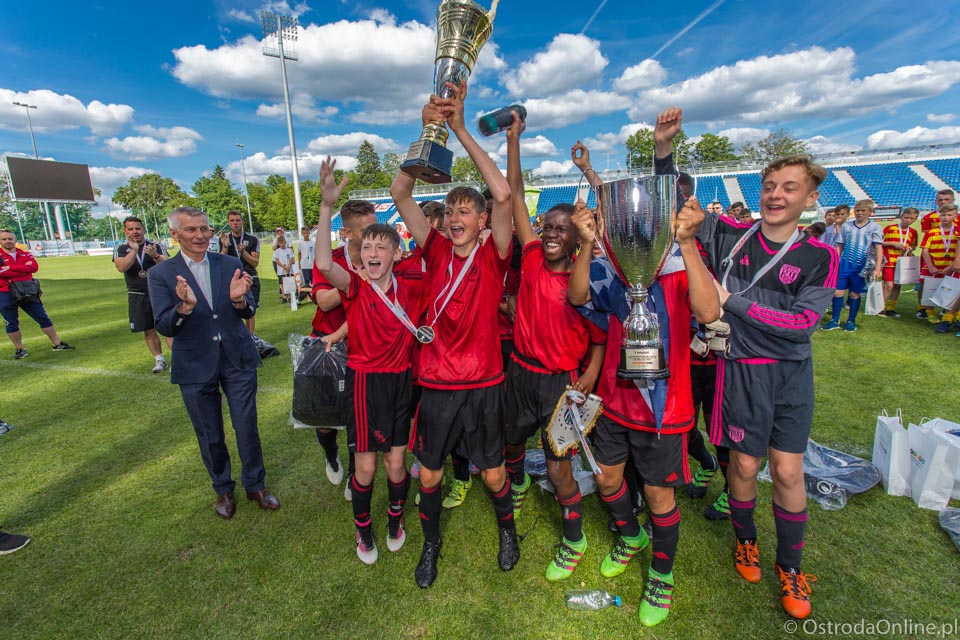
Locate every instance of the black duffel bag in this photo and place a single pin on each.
(25, 290)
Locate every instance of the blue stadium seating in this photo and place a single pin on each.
(710, 188)
(750, 186)
(833, 193)
(893, 184)
(946, 170)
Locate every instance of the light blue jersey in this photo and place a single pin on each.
(858, 244)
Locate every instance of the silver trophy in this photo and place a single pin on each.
(463, 27)
(638, 220)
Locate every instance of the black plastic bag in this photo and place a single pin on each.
(266, 349)
(318, 383)
(950, 521)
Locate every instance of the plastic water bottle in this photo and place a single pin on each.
(829, 495)
(500, 119)
(587, 600)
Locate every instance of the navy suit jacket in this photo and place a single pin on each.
(197, 336)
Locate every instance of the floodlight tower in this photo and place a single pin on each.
(246, 193)
(284, 28)
(48, 229)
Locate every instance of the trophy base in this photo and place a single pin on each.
(428, 161)
(643, 363)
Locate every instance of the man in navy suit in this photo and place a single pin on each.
(201, 300)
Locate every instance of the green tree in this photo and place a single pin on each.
(151, 194)
(776, 145)
(367, 171)
(215, 196)
(713, 148)
(390, 164)
(465, 171)
(259, 204)
(641, 146)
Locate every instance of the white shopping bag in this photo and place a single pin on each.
(891, 454)
(907, 270)
(947, 293)
(930, 286)
(949, 432)
(874, 302)
(933, 465)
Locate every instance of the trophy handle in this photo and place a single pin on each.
(493, 10)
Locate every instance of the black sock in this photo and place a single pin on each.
(461, 467)
(328, 441)
(398, 497)
(571, 512)
(666, 534)
(791, 529)
(697, 448)
(741, 515)
(430, 512)
(622, 511)
(723, 457)
(503, 506)
(515, 468)
(362, 495)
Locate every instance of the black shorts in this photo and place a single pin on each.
(255, 290)
(139, 311)
(660, 460)
(468, 421)
(377, 405)
(763, 404)
(530, 401)
(703, 383)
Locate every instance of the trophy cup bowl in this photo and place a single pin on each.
(638, 216)
(463, 27)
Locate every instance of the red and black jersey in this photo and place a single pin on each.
(622, 400)
(415, 262)
(511, 286)
(549, 335)
(465, 353)
(326, 322)
(21, 266)
(379, 342)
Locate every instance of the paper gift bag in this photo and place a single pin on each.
(947, 293)
(907, 270)
(933, 465)
(930, 286)
(891, 454)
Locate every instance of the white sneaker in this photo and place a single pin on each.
(394, 544)
(335, 477)
(159, 366)
(367, 555)
(347, 493)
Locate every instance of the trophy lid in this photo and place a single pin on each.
(463, 27)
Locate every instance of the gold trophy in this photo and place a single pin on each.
(463, 27)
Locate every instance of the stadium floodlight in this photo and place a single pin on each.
(27, 107)
(278, 29)
(246, 193)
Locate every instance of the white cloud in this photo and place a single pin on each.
(820, 145)
(259, 166)
(645, 75)
(174, 142)
(889, 139)
(348, 144)
(242, 16)
(802, 84)
(569, 61)
(943, 118)
(107, 179)
(554, 168)
(606, 142)
(740, 136)
(302, 106)
(58, 112)
(537, 147)
(571, 107)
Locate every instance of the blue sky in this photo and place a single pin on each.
(172, 87)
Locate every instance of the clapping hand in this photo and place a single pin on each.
(133, 245)
(239, 285)
(150, 250)
(188, 298)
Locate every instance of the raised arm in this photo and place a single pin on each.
(704, 296)
(499, 188)
(581, 158)
(521, 215)
(330, 191)
(578, 290)
(402, 188)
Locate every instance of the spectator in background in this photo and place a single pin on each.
(932, 219)
(715, 207)
(831, 236)
(19, 266)
(898, 240)
(278, 233)
(939, 250)
(745, 217)
(246, 249)
(283, 260)
(133, 259)
(305, 252)
(861, 244)
(815, 230)
(734, 209)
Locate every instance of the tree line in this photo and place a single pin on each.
(711, 148)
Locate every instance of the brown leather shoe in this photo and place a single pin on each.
(265, 499)
(225, 506)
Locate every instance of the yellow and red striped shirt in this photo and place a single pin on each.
(941, 245)
(893, 233)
